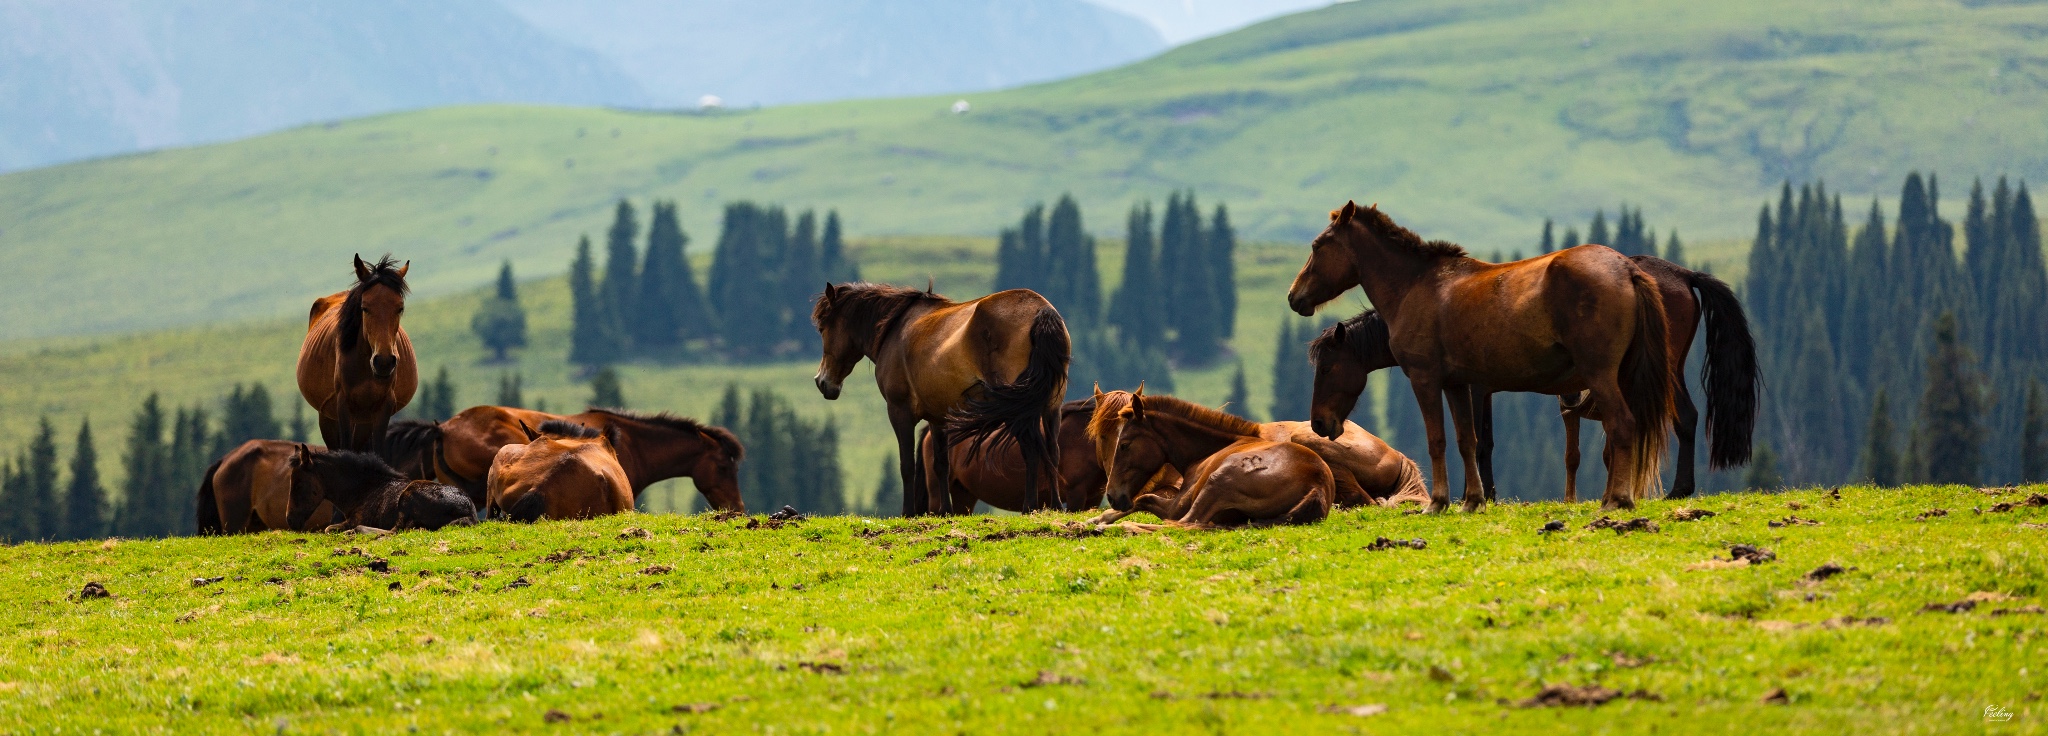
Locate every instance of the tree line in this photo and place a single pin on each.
(791, 460)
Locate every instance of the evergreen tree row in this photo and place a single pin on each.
(791, 460)
(1055, 257)
(1629, 235)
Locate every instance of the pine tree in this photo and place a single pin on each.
(1571, 239)
(436, 401)
(85, 501)
(1293, 377)
(1188, 285)
(191, 436)
(670, 306)
(1222, 240)
(728, 414)
(1239, 401)
(144, 463)
(1137, 309)
(43, 501)
(500, 322)
(742, 288)
(13, 503)
(509, 390)
(246, 414)
(605, 389)
(1763, 470)
(1547, 244)
(298, 429)
(1673, 250)
(618, 293)
(2034, 436)
(1072, 283)
(803, 278)
(1597, 233)
(1951, 410)
(1881, 454)
(889, 490)
(838, 263)
(591, 339)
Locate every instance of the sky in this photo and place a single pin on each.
(1181, 21)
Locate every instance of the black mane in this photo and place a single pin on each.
(870, 309)
(1364, 335)
(383, 273)
(727, 441)
(568, 430)
(1383, 226)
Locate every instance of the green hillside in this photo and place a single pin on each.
(1471, 119)
(989, 625)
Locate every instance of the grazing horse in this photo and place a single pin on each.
(992, 472)
(992, 368)
(365, 491)
(651, 447)
(1231, 475)
(564, 471)
(258, 487)
(1580, 319)
(356, 366)
(1346, 352)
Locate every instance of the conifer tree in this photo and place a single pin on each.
(297, 430)
(1597, 233)
(1674, 251)
(1547, 245)
(509, 390)
(1137, 310)
(618, 293)
(85, 500)
(606, 391)
(246, 414)
(1763, 470)
(838, 263)
(591, 339)
(1880, 454)
(1293, 377)
(191, 436)
(670, 306)
(1069, 265)
(742, 287)
(1571, 239)
(803, 278)
(144, 464)
(15, 518)
(1239, 402)
(1951, 410)
(2034, 436)
(500, 322)
(47, 508)
(1188, 284)
(888, 491)
(1222, 240)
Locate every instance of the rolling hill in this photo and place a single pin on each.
(1471, 120)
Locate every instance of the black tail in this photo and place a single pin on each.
(1729, 374)
(529, 508)
(1646, 386)
(209, 509)
(410, 446)
(1026, 410)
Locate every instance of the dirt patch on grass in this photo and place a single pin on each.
(1384, 543)
(1048, 677)
(1638, 524)
(1556, 696)
(1690, 514)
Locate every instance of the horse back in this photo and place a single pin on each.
(1376, 465)
(948, 350)
(254, 482)
(470, 441)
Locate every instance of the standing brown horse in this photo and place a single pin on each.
(1231, 475)
(1579, 319)
(994, 368)
(992, 472)
(356, 366)
(651, 447)
(564, 471)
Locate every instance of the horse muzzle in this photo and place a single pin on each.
(383, 365)
(1326, 429)
(828, 387)
(1300, 304)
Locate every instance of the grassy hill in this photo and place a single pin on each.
(1470, 119)
(1022, 625)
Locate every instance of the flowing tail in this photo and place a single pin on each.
(209, 509)
(1646, 387)
(1024, 411)
(1729, 373)
(1408, 486)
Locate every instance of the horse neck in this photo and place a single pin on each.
(887, 334)
(1189, 442)
(651, 453)
(1387, 272)
(350, 493)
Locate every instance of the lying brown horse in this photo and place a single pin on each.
(993, 473)
(253, 487)
(356, 366)
(992, 368)
(1579, 319)
(1346, 352)
(1231, 475)
(564, 471)
(367, 492)
(651, 448)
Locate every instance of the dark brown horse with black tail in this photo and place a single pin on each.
(1580, 319)
(992, 368)
(992, 471)
(356, 366)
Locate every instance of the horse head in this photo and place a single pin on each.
(842, 344)
(1328, 271)
(1138, 452)
(1345, 355)
(372, 311)
(717, 472)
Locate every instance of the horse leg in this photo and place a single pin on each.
(1482, 416)
(1686, 426)
(940, 498)
(1619, 453)
(1571, 456)
(330, 432)
(907, 460)
(1429, 398)
(1049, 427)
(1468, 446)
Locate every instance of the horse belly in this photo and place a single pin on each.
(1267, 479)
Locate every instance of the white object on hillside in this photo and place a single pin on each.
(710, 102)
(960, 107)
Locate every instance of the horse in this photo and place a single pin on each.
(564, 471)
(993, 472)
(257, 487)
(1345, 352)
(1580, 319)
(1232, 475)
(651, 448)
(1367, 470)
(994, 367)
(368, 492)
(356, 366)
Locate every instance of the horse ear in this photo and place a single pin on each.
(1349, 211)
(931, 284)
(362, 269)
(1098, 390)
(404, 268)
(831, 292)
(1140, 391)
(1137, 408)
(530, 434)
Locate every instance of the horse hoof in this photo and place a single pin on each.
(1473, 507)
(1438, 507)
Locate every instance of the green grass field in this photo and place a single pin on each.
(1471, 120)
(980, 625)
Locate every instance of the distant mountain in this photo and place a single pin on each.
(83, 78)
(782, 51)
(1185, 20)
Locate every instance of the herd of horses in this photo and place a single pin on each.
(1606, 333)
